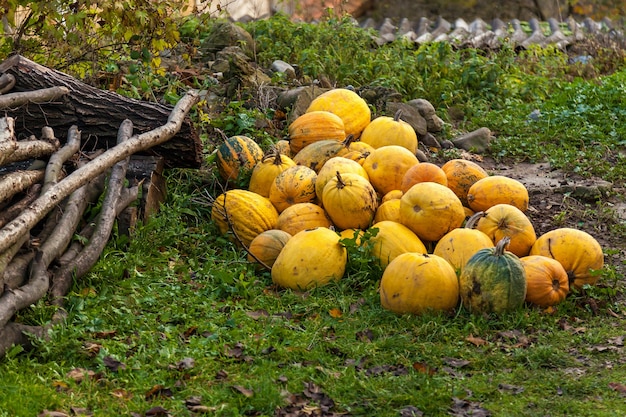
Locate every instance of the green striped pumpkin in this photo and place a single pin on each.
(237, 152)
(493, 281)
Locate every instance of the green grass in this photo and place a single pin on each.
(176, 318)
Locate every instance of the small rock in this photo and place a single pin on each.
(475, 141)
(430, 141)
(283, 67)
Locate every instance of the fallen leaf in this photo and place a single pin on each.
(60, 386)
(617, 341)
(186, 363)
(510, 388)
(105, 334)
(122, 393)
(365, 335)
(355, 306)
(410, 411)
(221, 375)
(423, 368)
(158, 391)
(157, 412)
(476, 341)
(79, 374)
(616, 386)
(92, 349)
(77, 411)
(255, 315)
(48, 413)
(335, 313)
(463, 408)
(456, 363)
(113, 364)
(244, 391)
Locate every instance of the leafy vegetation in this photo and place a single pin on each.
(175, 320)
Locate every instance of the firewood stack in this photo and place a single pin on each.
(49, 181)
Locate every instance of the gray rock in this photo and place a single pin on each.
(283, 67)
(409, 115)
(475, 141)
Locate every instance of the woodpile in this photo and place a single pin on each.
(50, 182)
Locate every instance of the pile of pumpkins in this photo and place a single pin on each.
(445, 235)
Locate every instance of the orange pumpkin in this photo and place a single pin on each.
(461, 175)
(302, 216)
(314, 126)
(580, 254)
(431, 210)
(497, 189)
(547, 283)
(423, 172)
(294, 185)
(505, 220)
(265, 247)
(348, 105)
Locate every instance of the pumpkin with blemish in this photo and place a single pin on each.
(294, 185)
(387, 165)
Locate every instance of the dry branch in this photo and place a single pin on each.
(30, 149)
(17, 181)
(38, 209)
(55, 164)
(7, 82)
(10, 213)
(38, 96)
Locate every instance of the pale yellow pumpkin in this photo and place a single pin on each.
(391, 239)
(331, 167)
(385, 130)
(350, 201)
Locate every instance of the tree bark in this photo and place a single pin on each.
(55, 194)
(97, 113)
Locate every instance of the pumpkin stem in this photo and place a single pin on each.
(348, 140)
(471, 222)
(501, 246)
(340, 183)
(397, 116)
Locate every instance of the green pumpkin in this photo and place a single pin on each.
(493, 281)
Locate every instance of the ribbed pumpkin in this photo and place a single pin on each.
(350, 201)
(284, 147)
(389, 210)
(302, 216)
(385, 130)
(392, 239)
(578, 252)
(331, 167)
(431, 210)
(247, 213)
(387, 165)
(493, 281)
(237, 152)
(266, 171)
(316, 154)
(294, 185)
(267, 246)
(392, 195)
(311, 258)
(461, 175)
(415, 283)
(423, 172)
(505, 220)
(346, 104)
(547, 283)
(314, 126)
(497, 189)
(460, 244)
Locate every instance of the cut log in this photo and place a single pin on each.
(97, 113)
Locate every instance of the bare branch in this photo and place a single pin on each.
(53, 169)
(38, 96)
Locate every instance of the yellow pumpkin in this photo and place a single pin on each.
(547, 283)
(431, 210)
(317, 153)
(506, 220)
(302, 216)
(350, 201)
(497, 189)
(387, 165)
(266, 246)
(416, 283)
(237, 152)
(580, 254)
(331, 167)
(460, 244)
(461, 175)
(390, 239)
(314, 126)
(245, 213)
(346, 104)
(283, 147)
(311, 258)
(266, 171)
(389, 210)
(385, 130)
(294, 185)
(392, 195)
